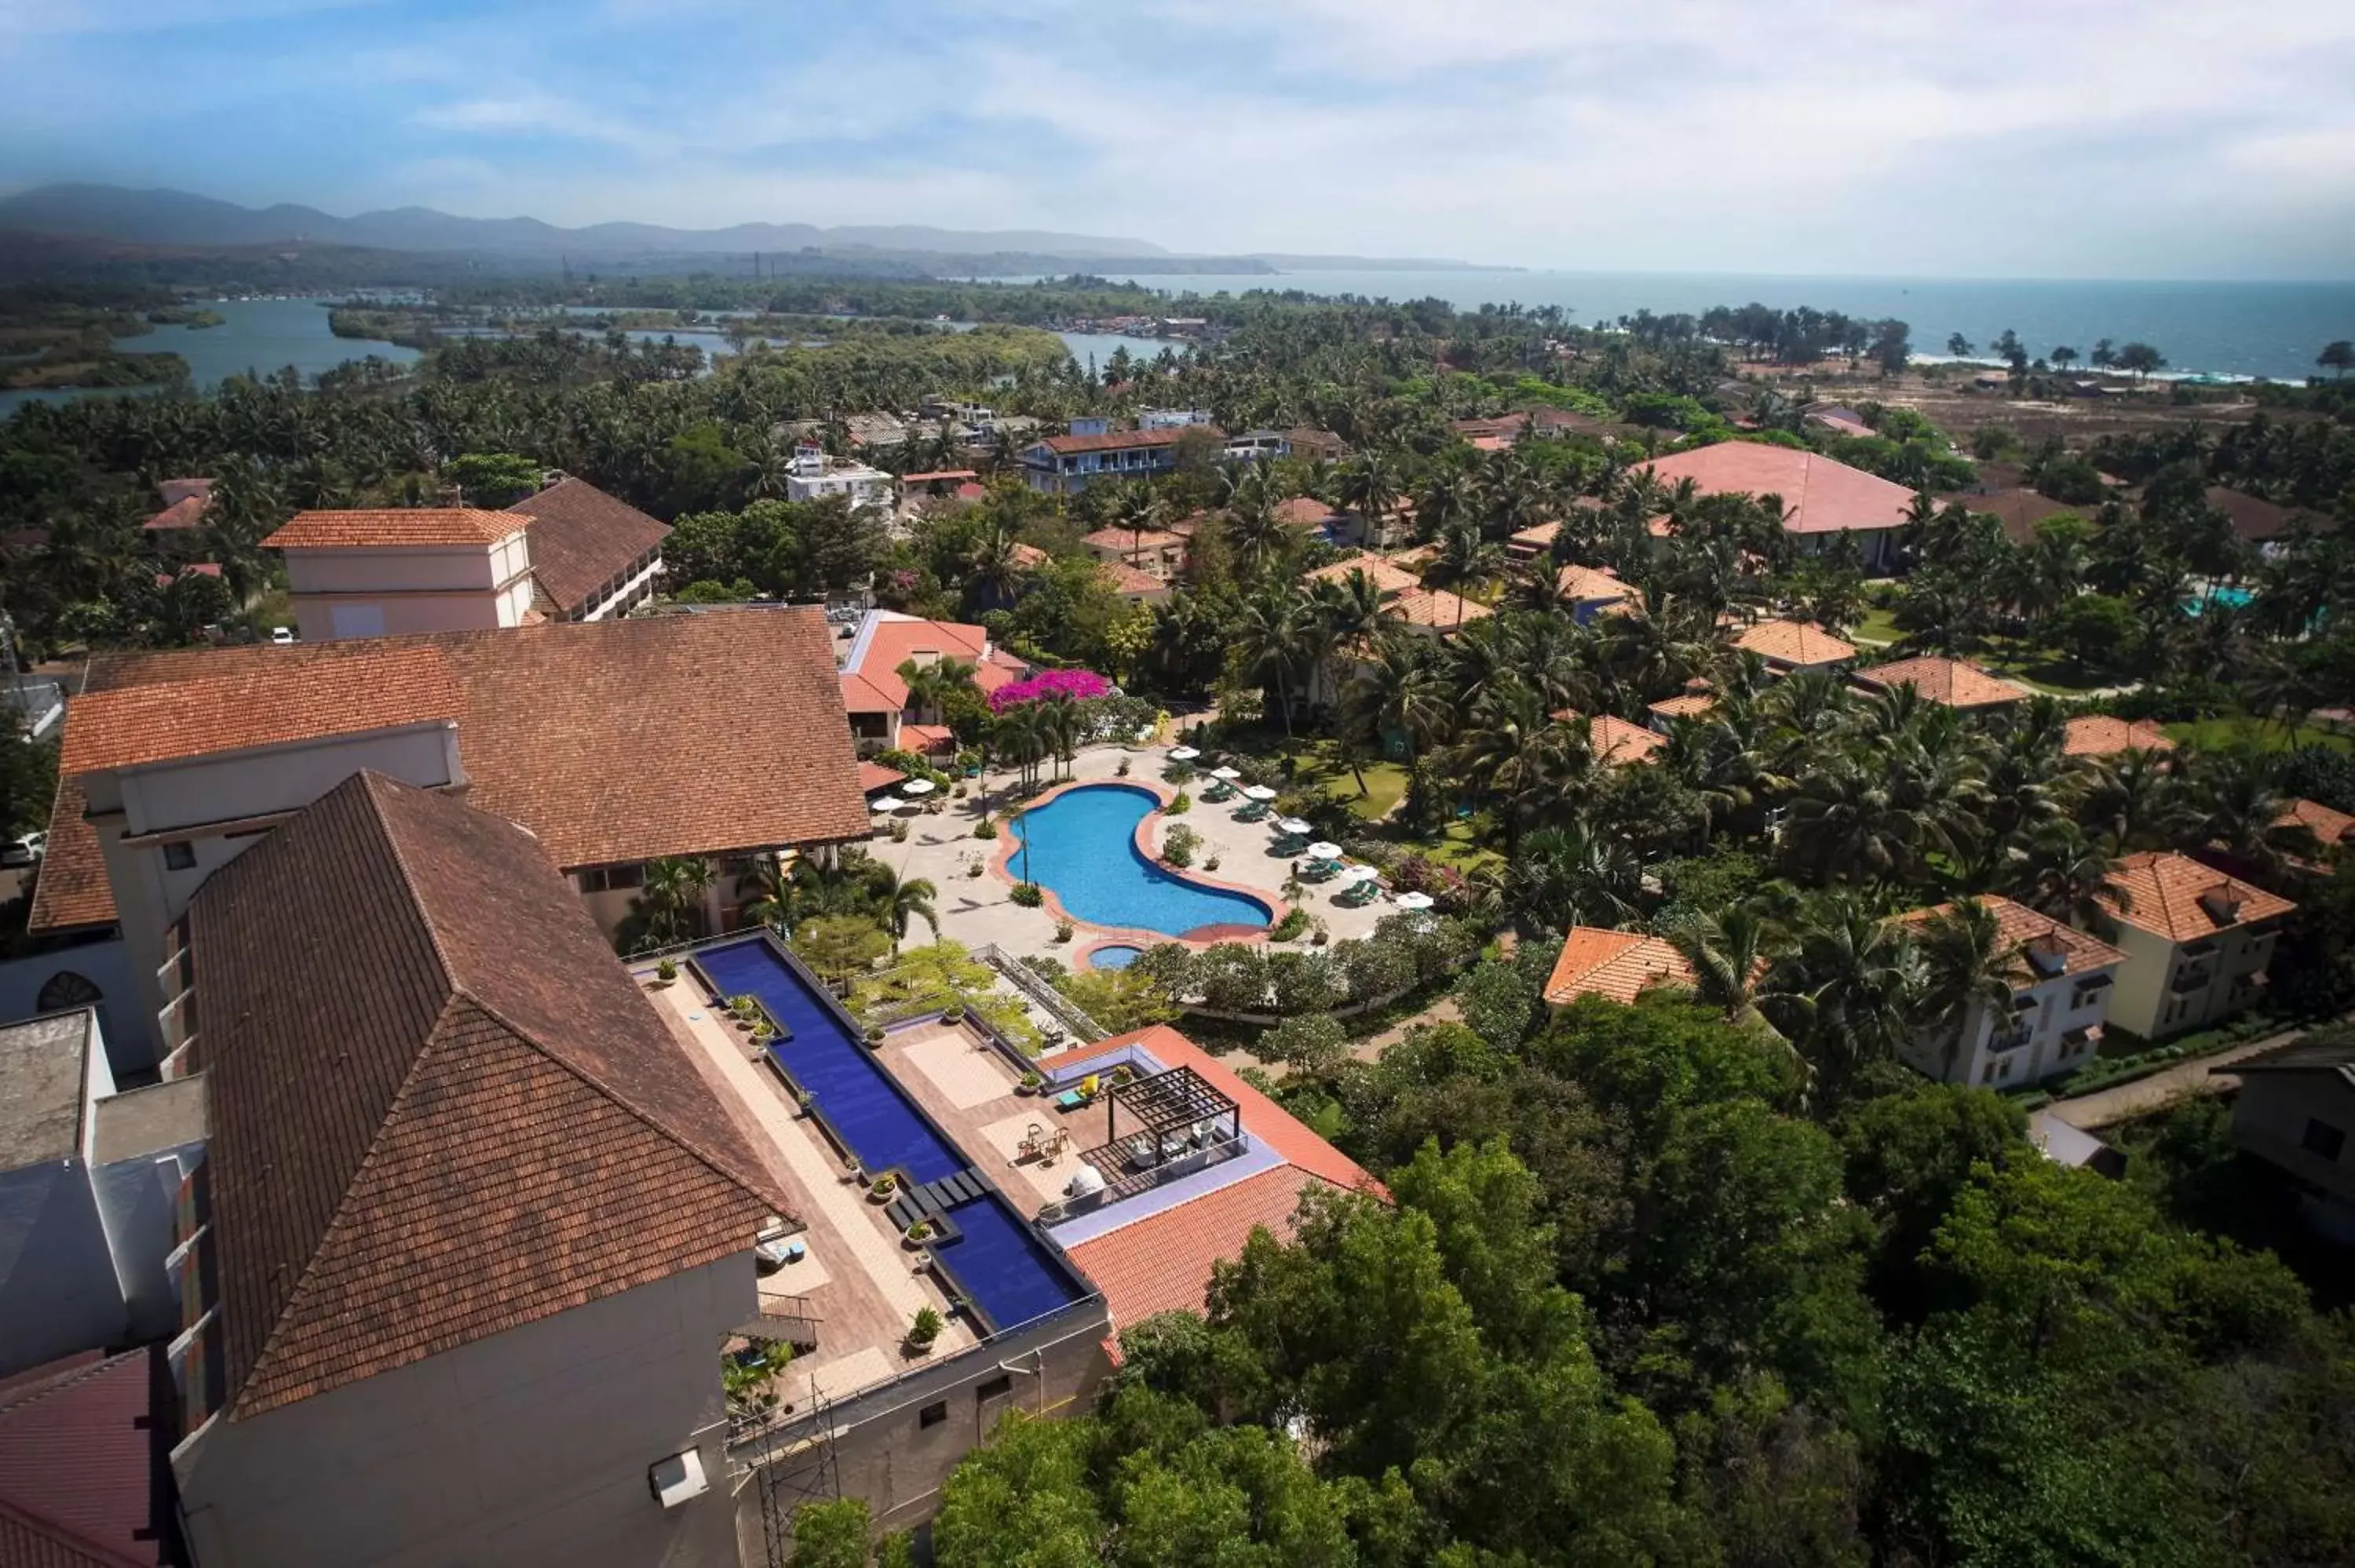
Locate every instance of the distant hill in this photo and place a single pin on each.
(179, 219)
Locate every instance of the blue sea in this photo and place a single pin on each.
(2220, 329)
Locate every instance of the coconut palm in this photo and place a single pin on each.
(669, 905)
(2234, 805)
(1860, 977)
(1968, 972)
(1397, 692)
(1276, 638)
(1570, 875)
(902, 901)
(2066, 873)
(1730, 955)
(1516, 757)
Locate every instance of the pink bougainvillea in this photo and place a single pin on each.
(1076, 684)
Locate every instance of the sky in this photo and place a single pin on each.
(1965, 138)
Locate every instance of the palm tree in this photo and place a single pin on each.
(1464, 561)
(2237, 807)
(1274, 634)
(1514, 754)
(1368, 484)
(2065, 873)
(902, 901)
(1570, 875)
(1397, 692)
(1968, 972)
(1859, 975)
(669, 905)
(994, 564)
(1730, 955)
(770, 886)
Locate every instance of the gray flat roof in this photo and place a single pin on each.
(140, 1122)
(43, 1064)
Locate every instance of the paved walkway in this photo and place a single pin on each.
(2105, 1108)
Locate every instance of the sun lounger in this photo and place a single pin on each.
(1358, 895)
(1069, 1100)
(1320, 871)
(1255, 812)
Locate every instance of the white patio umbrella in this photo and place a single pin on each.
(1358, 874)
(1320, 850)
(1412, 901)
(1229, 774)
(1259, 792)
(884, 803)
(917, 786)
(1183, 754)
(1291, 825)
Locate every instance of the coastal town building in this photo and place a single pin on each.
(1618, 966)
(617, 742)
(883, 715)
(1065, 465)
(2196, 941)
(88, 1177)
(813, 476)
(1614, 741)
(1590, 592)
(1158, 553)
(85, 1467)
(2333, 830)
(1791, 646)
(2296, 1111)
(567, 552)
(2053, 1023)
(2102, 734)
(1949, 683)
(1822, 499)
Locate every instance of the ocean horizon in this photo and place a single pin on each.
(2241, 329)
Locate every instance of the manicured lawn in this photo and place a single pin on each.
(2219, 733)
(1877, 626)
(1320, 764)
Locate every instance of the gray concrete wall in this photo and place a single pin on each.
(58, 1287)
(137, 1202)
(527, 1449)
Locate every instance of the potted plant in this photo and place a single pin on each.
(1121, 1075)
(918, 1234)
(883, 1189)
(806, 1100)
(747, 1011)
(667, 971)
(899, 832)
(1063, 930)
(953, 1013)
(1030, 1084)
(1319, 932)
(875, 1036)
(923, 1329)
(1211, 863)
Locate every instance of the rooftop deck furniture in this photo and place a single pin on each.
(1254, 812)
(1320, 871)
(1358, 895)
(1218, 793)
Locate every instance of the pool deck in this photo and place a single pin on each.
(976, 909)
(858, 1279)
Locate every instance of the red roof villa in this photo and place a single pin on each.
(1821, 499)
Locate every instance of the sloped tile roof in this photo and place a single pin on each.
(1128, 542)
(1437, 608)
(2100, 735)
(374, 689)
(1386, 578)
(2166, 896)
(615, 741)
(1798, 643)
(1615, 740)
(393, 527)
(1131, 582)
(1121, 440)
(2329, 826)
(582, 539)
(1541, 534)
(2017, 925)
(1615, 964)
(84, 1480)
(1692, 705)
(1163, 1264)
(1585, 583)
(875, 775)
(1303, 512)
(1819, 495)
(870, 679)
(188, 512)
(440, 1107)
(1948, 680)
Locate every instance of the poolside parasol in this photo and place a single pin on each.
(1229, 774)
(1183, 754)
(917, 786)
(1320, 850)
(1259, 792)
(1291, 825)
(885, 803)
(1358, 874)
(1412, 901)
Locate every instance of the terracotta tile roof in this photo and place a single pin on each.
(874, 776)
(440, 1107)
(2100, 735)
(2256, 520)
(1615, 964)
(927, 739)
(1119, 440)
(85, 1481)
(188, 512)
(1163, 1264)
(376, 688)
(193, 570)
(2019, 510)
(2329, 826)
(615, 741)
(1386, 578)
(1589, 583)
(1541, 535)
(2170, 895)
(582, 539)
(2017, 925)
(1795, 642)
(870, 679)
(1123, 541)
(1819, 495)
(1131, 582)
(938, 473)
(1615, 739)
(1437, 608)
(1303, 512)
(1693, 704)
(1030, 555)
(392, 527)
(1947, 681)
(970, 491)
(174, 490)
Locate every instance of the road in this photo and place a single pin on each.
(2123, 1102)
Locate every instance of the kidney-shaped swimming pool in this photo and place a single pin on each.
(1081, 847)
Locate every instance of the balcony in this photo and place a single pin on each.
(2186, 981)
(2011, 1039)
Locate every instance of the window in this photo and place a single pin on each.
(993, 1387)
(179, 857)
(63, 989)
(2323, 1139)
(932, 1415)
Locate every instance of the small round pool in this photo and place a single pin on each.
(1113, 956)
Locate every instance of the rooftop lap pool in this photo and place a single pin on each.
(1081, 847)
(994, 1259)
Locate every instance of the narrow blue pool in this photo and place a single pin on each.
(999, 1261)
(826, 1058)
(1082, 847)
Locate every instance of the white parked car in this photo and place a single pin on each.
(25, 850)
(282, 635)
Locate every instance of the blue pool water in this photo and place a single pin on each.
(999, 1261)
(1115, 957)
(2230, 598)
(1082, 848)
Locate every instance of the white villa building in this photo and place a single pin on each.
(2058, 1006)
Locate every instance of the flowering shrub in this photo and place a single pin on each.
(1076, 684)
